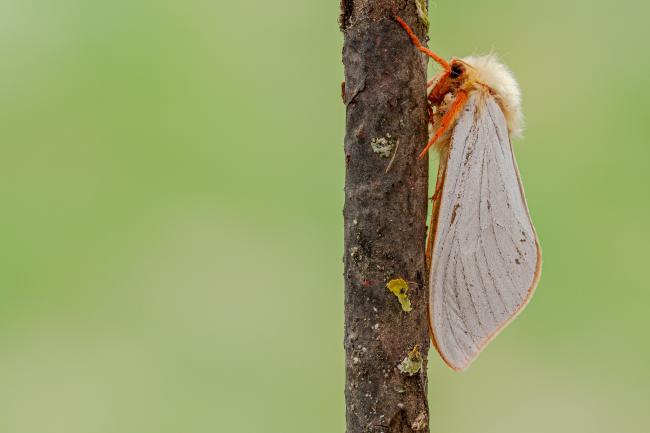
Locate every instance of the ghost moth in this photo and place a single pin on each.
(483, 253)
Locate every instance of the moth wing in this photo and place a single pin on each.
(486, 259)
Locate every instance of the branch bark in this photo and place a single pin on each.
(385, 217)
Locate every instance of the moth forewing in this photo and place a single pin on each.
(485, 258)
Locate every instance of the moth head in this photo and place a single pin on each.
(457, 69)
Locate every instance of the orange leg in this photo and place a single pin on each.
(430, 113)
(447, 119)
(442, 62)
(440, 89)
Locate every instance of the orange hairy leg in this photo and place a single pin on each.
(447, 119)
(442, 62)
(440, 89)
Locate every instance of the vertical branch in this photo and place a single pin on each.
(385, 217)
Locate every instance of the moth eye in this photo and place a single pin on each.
(456, 71)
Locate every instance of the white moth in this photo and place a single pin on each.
(484, 254)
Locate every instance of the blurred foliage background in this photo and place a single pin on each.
(171, 185)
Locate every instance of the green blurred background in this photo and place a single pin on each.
(172, 185)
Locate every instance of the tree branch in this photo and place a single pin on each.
(385, 218)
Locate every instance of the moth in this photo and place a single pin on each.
(483, 252)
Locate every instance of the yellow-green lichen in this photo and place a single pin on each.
(399, 287)
(423, 12)
(412, 363)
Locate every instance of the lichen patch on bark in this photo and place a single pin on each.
(423, 11)
(412, 363)
(399, 287)
(383, 145)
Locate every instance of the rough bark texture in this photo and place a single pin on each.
(385, 216)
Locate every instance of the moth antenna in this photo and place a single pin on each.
(442, 62)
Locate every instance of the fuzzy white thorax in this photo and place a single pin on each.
(488, 70)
